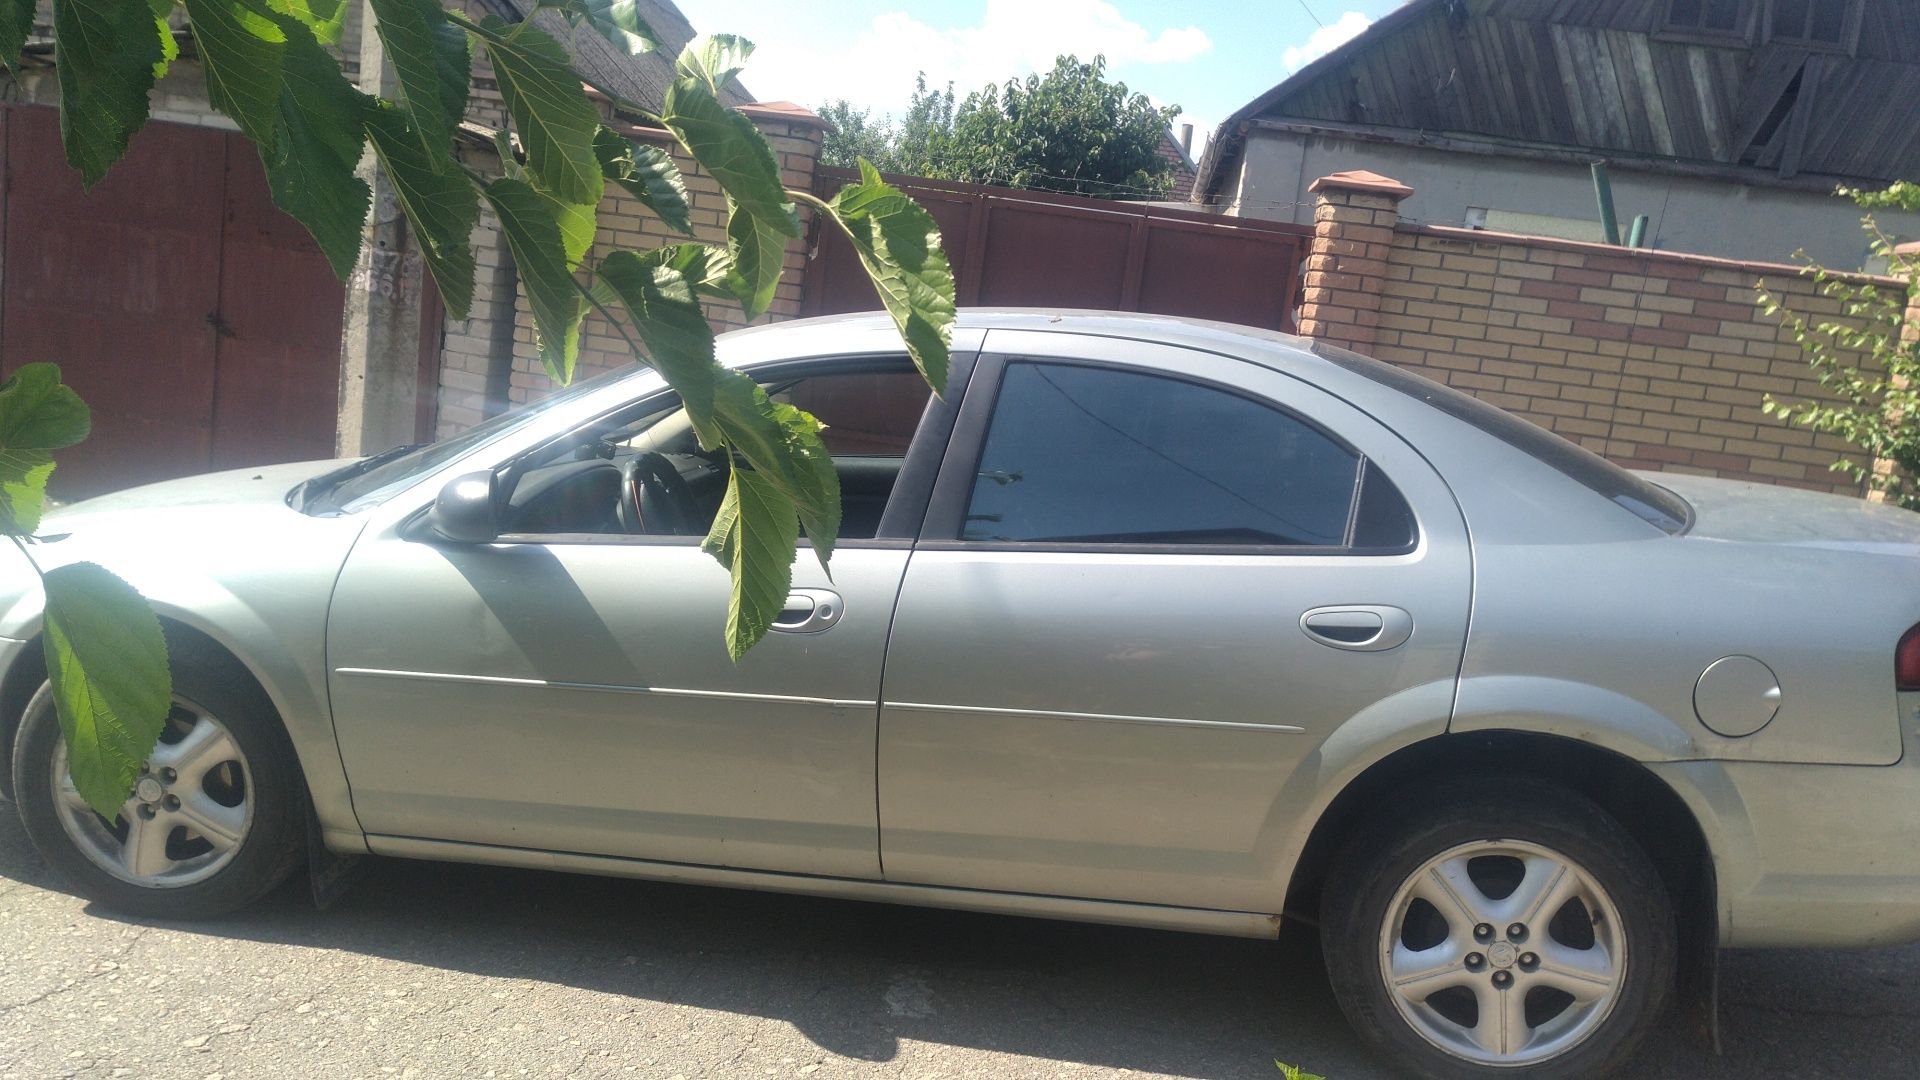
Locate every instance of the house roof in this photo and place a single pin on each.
(1176, 155)
(641, 79)
(1545, 78)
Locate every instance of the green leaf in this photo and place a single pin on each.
(37, 415)
(728, 146)
(23, 490)
(760, 220)
(756, 257)
(432, 66)
(108, 50)
(441, 204)
(550, 111)
(531, 222)
(899, 244)
(619, 22)
(754, 536)
(16, 22)
(814, 481)
(704, 266)
(169, 48)
(713, 59)
(107, 662)
(324, 19)
(649, 173)
(241, 48)
(268, 71)
(39, 412)
(679, 340)
(319, 136)
(784, 446)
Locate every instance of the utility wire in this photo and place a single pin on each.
(1311, 15)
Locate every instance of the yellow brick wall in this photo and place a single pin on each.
(1656, 360)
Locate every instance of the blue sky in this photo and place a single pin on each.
(1210, 56)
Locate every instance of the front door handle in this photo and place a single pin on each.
(1358, 627)
(809, 611)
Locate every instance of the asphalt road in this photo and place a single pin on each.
(425, 970)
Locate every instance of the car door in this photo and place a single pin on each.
(572, 691)
(1152, 583)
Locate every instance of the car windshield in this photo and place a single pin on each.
(1651, 502)
(371, 481)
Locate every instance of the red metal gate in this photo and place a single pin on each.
(200, 323)
(1015, 248)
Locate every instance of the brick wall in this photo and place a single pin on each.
(489, 362)
(1655, 359)
(624, 223)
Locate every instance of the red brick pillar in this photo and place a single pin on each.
(1353, 221)
(1906, 263)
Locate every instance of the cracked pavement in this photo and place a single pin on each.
(426, 970)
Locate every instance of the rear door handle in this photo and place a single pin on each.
(1358, 627)
(809, 611)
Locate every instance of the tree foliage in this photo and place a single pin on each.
(1863, 360)
(267, 69)
(105, 654)
(1069, 130)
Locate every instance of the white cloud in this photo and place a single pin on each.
(1324, 40)
(1013, 38)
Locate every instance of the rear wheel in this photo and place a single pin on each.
(1520, 933)
(214, 821)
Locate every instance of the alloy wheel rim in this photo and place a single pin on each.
(190, 812)
(1503, 952)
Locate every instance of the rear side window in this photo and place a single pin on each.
(1648, 501)
(1092, 455)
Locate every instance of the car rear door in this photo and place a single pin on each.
(1153, 582)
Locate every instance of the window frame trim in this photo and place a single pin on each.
(941, 525)
(1848, 45)
(1747, 25)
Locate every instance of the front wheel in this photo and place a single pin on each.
(215, 820)
(1521, 933)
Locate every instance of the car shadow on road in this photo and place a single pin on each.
(858, 979)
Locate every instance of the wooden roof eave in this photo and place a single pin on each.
(1493, 146)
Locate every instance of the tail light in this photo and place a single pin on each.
(1906, 661)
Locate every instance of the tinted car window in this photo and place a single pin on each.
(867, 413)
(1095, 455)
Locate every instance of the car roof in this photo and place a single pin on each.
(1286, 352)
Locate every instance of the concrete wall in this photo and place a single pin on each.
(1708, 217)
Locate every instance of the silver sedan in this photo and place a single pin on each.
(1144, 621)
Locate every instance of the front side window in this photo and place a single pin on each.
(642, 472)
(1092, 455)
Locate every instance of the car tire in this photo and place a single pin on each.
(227, 831)
(1404, 971)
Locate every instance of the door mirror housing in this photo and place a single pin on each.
(467, 510)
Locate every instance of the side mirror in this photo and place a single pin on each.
(465, 511)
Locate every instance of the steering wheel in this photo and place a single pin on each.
(654, 497)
